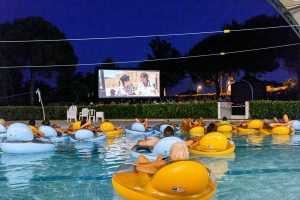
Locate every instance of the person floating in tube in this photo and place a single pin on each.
(146, 88)
(125, 87)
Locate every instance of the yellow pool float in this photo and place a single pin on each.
(197, 131)
(110, 129)
(225, 128)
(246, 131)
(228, 134)
(278, 130)
(253, 127)
(282, 130)
(177, 180)
(76, 125)
(212, 144)
(265, 131)
(255, 124)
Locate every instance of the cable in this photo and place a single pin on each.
(15, 95)
(154, 60)
(146, 36)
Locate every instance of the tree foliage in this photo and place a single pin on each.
(41, 53)
(252, 63)
(171, 71)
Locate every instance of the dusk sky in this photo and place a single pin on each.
(98, 18)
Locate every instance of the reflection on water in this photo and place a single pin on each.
(20, 168)
(255, 139)
(281, 139)
(83, 170)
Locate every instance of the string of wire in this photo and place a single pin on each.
(153, 60)
(146, 36)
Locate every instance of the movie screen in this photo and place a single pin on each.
(128, 83)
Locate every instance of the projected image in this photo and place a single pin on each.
(128, 83)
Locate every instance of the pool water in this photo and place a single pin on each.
(262, 168)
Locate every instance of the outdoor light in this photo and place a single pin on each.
(227, 30)
(222, 53)
(199, 88)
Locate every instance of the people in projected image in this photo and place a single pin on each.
(125, 87)
(146, 88)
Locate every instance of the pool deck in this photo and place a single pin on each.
(119, 122)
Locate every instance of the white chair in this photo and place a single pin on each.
(72, 113)
(92, 115)
(100, 115)
(84, 113)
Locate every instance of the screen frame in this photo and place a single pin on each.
(128, 97)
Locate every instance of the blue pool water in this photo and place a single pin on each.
(267, 170)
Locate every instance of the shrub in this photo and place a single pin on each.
(116, 111)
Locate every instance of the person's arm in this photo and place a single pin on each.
(60, 130)
(150, 167)
(148, 143)
(192, 142)
(70, 132)
(146, 123)
(38, 133)
(290, 123)
(86, 125)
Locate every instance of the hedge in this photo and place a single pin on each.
(269, 109)
(116, 111)
(258, 109)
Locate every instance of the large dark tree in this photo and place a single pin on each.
(172, 71)
(253, 63)
(43, 53)
(11, 79)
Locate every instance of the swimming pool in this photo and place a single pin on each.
(267, 170)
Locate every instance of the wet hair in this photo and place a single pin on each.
(82, 122)
(224, 119)
(169, 131)
(46, 122)
(211, 128)
(32, 122)
(124, 78)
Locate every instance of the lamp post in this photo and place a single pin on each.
(199, 88)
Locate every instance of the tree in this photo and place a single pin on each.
(208, 68)
(253, 63)
(43, 53)
(11, 79)
(171, 71)
(108, 63)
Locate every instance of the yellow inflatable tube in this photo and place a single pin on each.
(225, 128)
(265, 131)
(213, 144)
(114, 132)
(179, 180)
(278, 130)
(255, 124)
(197, 131)
(110, 129)
(282, 130)
(246, 131)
